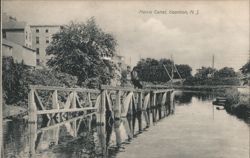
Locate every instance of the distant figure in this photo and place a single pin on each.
(135, 79)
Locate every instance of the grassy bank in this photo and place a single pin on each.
(238, 103)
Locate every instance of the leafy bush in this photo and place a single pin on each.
(18, 77)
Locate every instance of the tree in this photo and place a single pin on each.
(246, 68)
(184, 70)
(203, 72)
(77, 50)
(153, 70)
(13, 80)
(246, 72)
(17, 77)
(225, 72)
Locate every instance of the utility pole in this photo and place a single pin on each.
(130, 61)
(213, 62)
(1, 95)
(212, 74)
(172, 72)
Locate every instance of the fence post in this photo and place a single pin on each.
(139, 110)
(172, 94)
(101, 112)
(117, 107)
(153, 106)
(32, 106)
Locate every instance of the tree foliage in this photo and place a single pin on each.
(77, 50)
(210, 76)
(203, 72)
(152, 70)
(225, 72)
(18, 77)
(246, 68)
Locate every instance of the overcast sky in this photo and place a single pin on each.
(221, 28)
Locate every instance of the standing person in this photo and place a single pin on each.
(126, 77)
(135, 79)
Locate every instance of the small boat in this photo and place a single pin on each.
(220, 101)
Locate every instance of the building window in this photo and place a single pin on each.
(29, 37)
(4, 34)
(47, 30)
(37, 40)
(37, 62)
(37, 51)
(37, 30)
(47, 39)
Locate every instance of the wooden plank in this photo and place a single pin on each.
(89, 98)
(73, 101)
(109, 101)
(52, 88)
(128, 89)
(164, 99)
(32, 138)
(40, 103)
(172, 95)
(139, 111)
(32, 107)
(127, 128)
(64, 110)
(55, 103)
(55, 100)
(162, 90)
(140, 103)
(78, 101)
(98, 101)
(153, 104)
(79, 124)
(146, 101)
(117, 107)
(68, 101)
(69, 128)
(62, 123)
(101, 110)
(126, 104)
(117, 130)
(134, 102)
(144, 107)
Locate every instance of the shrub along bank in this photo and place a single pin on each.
(237, 103)
(18, 77)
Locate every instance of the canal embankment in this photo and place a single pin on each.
(238, 102)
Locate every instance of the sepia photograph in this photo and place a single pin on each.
(125, 79)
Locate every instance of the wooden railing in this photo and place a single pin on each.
(59, 102)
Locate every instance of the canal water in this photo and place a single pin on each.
(195, 120)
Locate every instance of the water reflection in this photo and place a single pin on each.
(79, 136)
(185, 97)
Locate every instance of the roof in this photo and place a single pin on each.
(8, 43)
(46, 25)
(13, 44)
(13, 25)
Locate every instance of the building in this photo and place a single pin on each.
(19, 53)
(16, 31)
(41, 38)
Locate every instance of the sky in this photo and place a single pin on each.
(219, 28)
